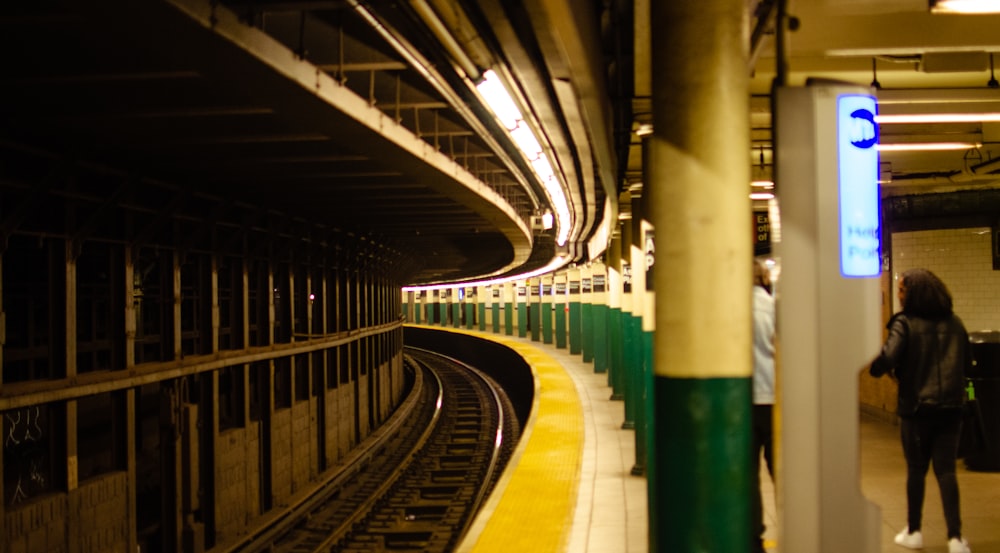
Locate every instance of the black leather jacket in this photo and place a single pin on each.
(929, 358)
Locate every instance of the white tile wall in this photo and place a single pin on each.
(962, 259)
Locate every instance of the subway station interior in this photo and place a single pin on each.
(221, 221)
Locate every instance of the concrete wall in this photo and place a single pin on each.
(101, 524)
(237, 480)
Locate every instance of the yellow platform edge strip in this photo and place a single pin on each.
(533, 504)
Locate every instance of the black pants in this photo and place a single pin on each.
(762, 439)
(932, 436)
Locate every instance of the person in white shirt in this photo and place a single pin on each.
(763, 394)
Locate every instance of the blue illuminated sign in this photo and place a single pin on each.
(857, 159)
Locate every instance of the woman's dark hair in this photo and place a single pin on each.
(926, 296)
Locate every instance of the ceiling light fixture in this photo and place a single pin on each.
(499, 100)
(938, 118)
(964, 6)
(928, 146)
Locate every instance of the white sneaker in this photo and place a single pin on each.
(958, 545)
(913, 540)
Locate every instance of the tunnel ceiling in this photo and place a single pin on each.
(344, 114)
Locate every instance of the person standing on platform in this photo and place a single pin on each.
(763, 394)
(927, 350)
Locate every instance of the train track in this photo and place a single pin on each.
(418, 486)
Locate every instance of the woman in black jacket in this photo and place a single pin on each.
(927, 351)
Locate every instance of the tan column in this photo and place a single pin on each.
(699, 183)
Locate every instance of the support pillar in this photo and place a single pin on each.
(599, 316)
(456, 299)
(495, 291)
(643, 302)
(615, 322)
(508, 303)
(482, 296)
(575, 313)
(469, 304)
(535, 308)
(630, 368)
(699, 184)
(546, 307)
(523, 299)
(561, 307)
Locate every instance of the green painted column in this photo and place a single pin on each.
(561, 306)
(418, 307)
(575, 320)
(546, 306)
(522, 308)
(644, 322)
(599, 315)
(631, 362)
(698, 181)
(494, 293)
(407, 306)
(455, 304)
(508, 316)
(440, 308)
(483, 299)
(615, 333)
(535, 308)
(470, 308)
(586, 315)
(444, 307)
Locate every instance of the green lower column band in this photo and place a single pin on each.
(535, 318)
(702, 483)
(496, 318)
(616, 336)
(643, 403)
(575, 327)
(631, 369)
(482, 316)
(599, 337)
(470, 315)
(522, 319)
(508, 319)
(546, 323)
(560, 329)
(587, 331)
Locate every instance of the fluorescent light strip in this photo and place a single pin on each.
(965, 6)
(928, 146)
(503, 106)
(939, 118)
(552, 266)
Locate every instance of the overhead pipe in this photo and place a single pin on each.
(421, 65)
(441, 31)
(766, 15)
(974, 169)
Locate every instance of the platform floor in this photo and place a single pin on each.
(611, 515)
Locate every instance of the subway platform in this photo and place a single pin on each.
(608, 513)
